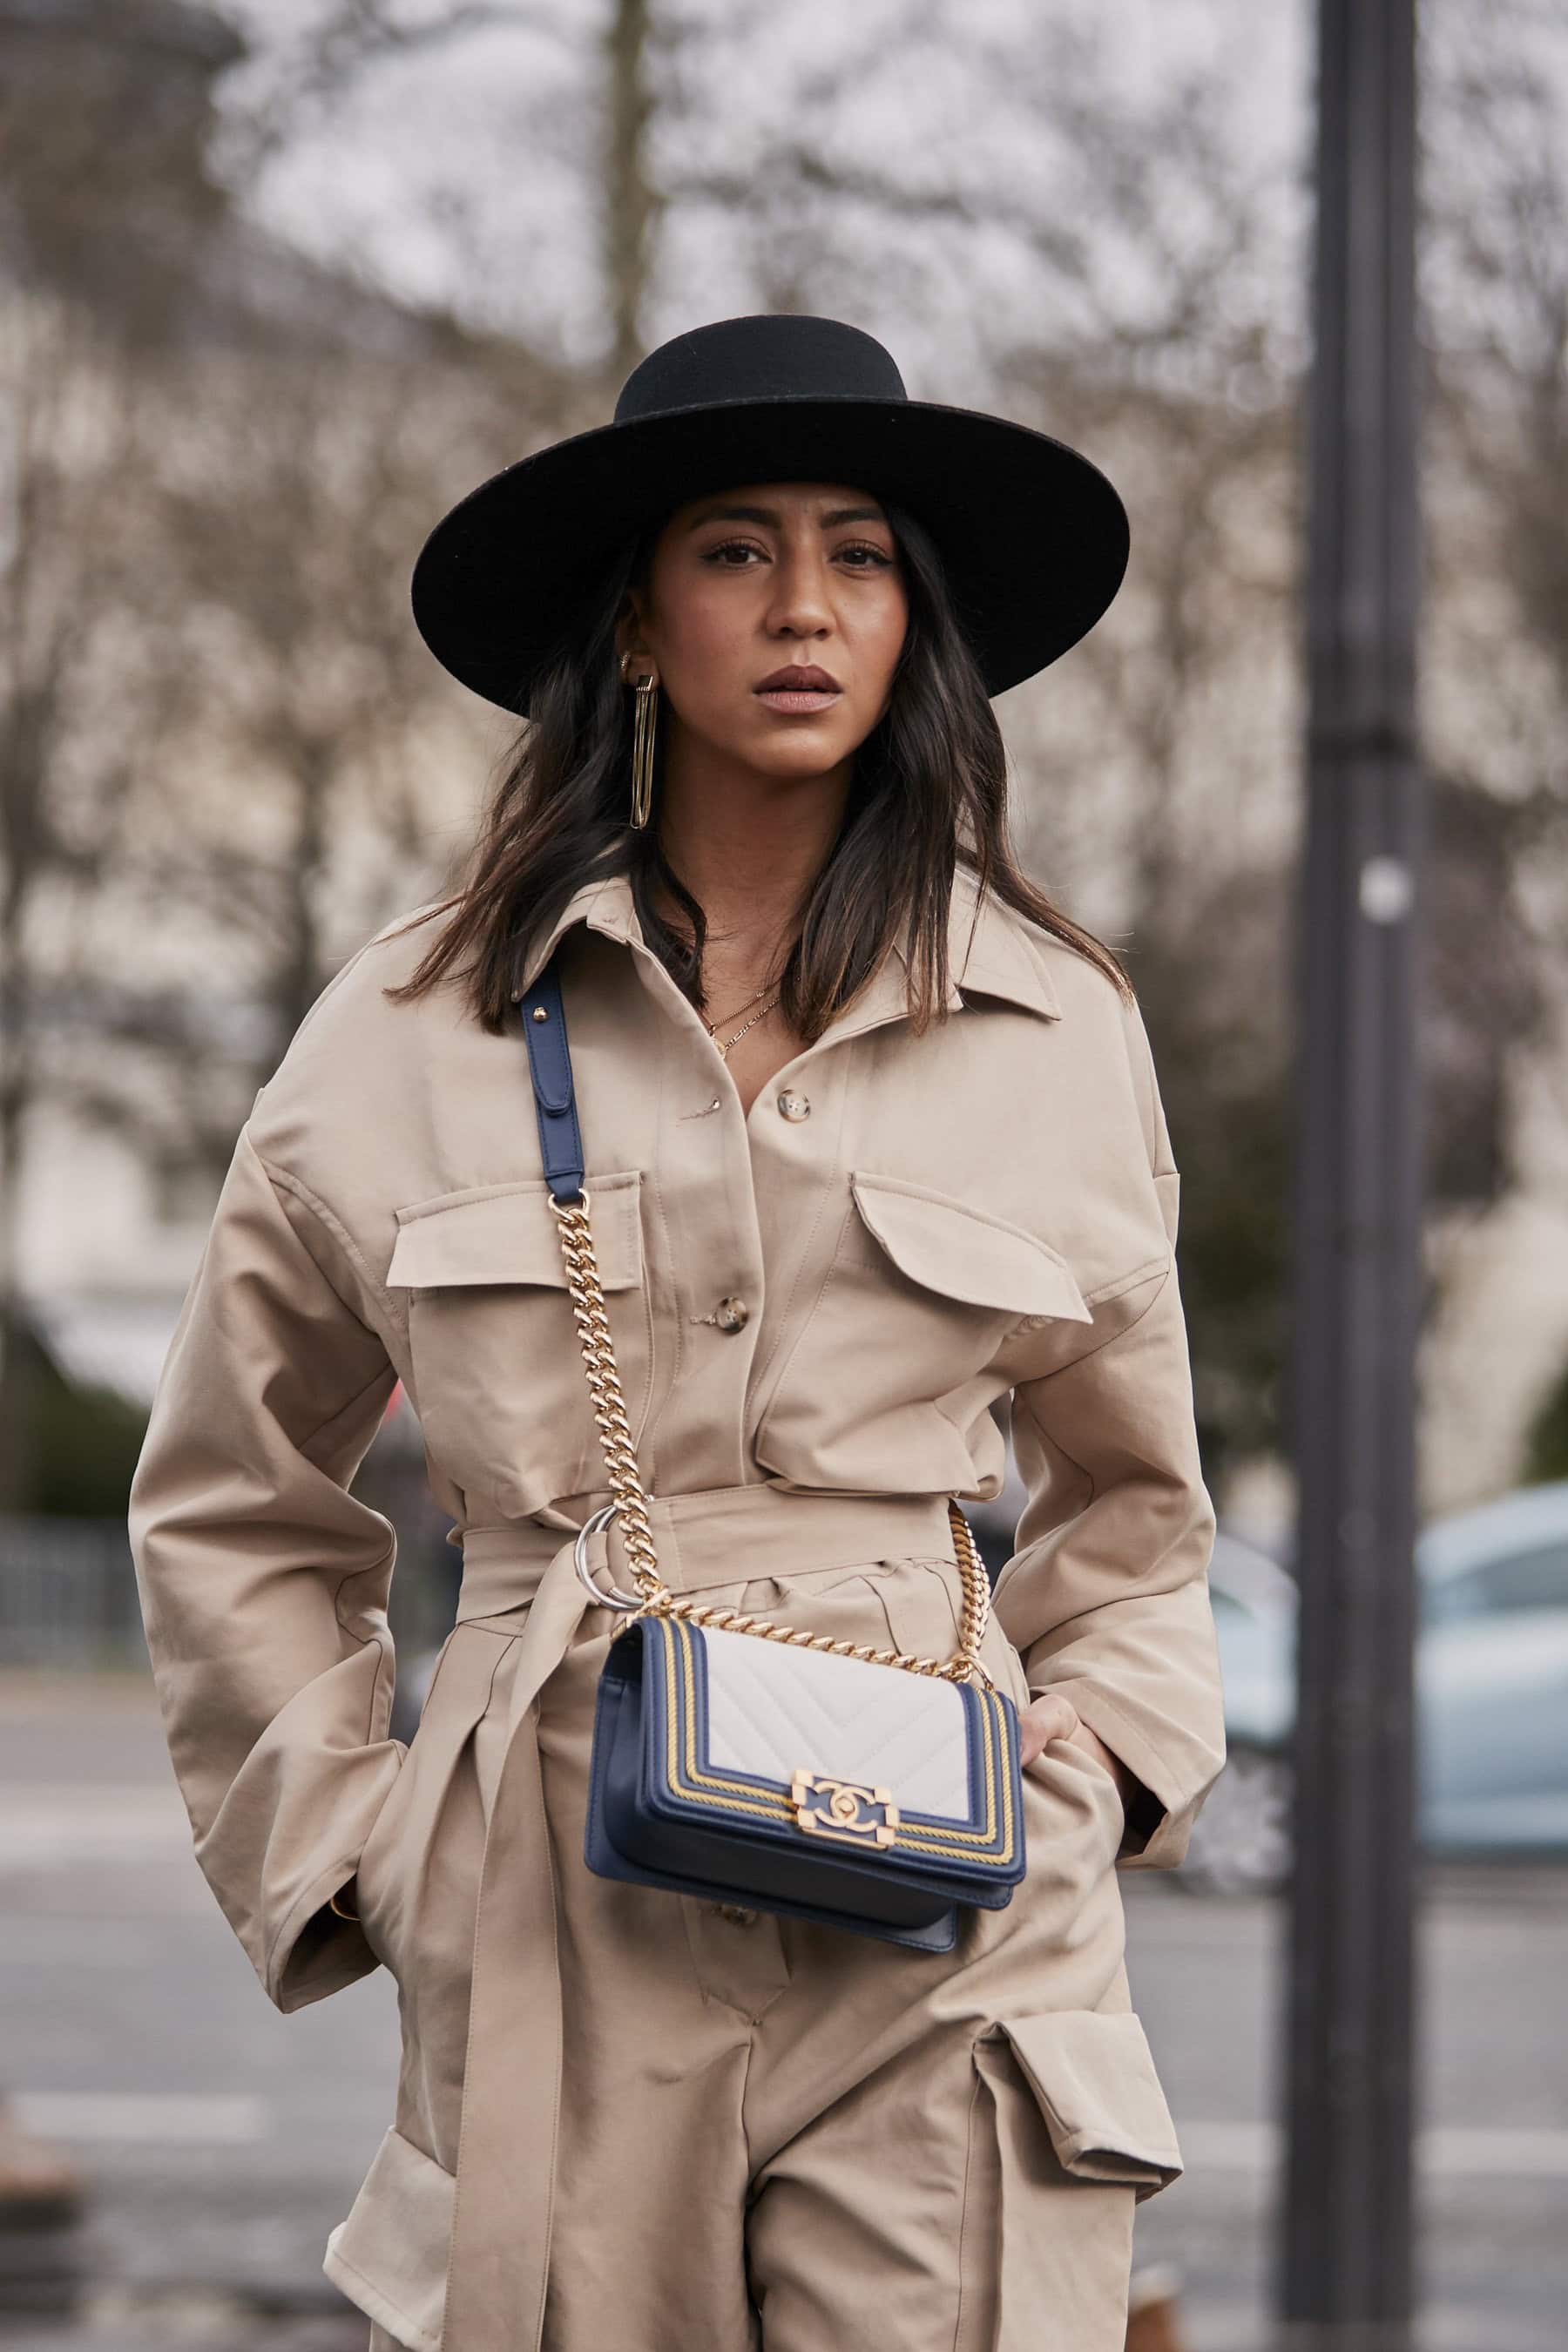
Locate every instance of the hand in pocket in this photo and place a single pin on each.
(1053, 1716)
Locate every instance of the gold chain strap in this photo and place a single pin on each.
(631, 1497)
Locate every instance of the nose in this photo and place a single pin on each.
(801, 605)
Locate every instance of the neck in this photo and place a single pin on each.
(747, 846)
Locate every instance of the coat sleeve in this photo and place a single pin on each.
(1106, 1595)
(263, 1583)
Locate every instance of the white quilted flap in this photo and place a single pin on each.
(773, 1709)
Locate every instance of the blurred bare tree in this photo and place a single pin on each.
(105, 209)
(223, 749)
(1497, 204)
(314, 784)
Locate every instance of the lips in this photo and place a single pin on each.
(799, 691)
(799, 678)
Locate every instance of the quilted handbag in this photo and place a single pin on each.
(739, 1759)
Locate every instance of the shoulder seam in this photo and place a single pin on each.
(283, 1180)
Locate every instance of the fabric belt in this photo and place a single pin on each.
(499, 2259)
(721, 1536)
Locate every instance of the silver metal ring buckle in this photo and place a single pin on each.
(615, 1598)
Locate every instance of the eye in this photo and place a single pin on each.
(731, 554)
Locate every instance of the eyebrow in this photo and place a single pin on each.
(770, 515)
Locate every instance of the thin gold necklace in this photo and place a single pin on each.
(739, 1008)
(724, 1043)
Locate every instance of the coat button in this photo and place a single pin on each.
(731, 1315)
(792, 1105)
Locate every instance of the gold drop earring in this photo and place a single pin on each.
(642, 740)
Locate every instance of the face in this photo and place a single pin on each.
(771, 577)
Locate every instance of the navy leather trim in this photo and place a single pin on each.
(555, 1093)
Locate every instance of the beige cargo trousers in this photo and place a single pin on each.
(775, 2136)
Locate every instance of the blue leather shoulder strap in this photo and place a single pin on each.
(543, 1016)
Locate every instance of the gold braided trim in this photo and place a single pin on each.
(586, 1291)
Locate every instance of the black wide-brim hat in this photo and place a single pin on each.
(1032, 536)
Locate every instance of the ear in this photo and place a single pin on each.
(628, 629)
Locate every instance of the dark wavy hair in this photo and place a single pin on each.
(929, 792)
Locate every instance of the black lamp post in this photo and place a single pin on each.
(1345, 2267)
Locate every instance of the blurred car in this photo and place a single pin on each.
(1491, 1685)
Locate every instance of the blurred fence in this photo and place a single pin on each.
(69, 1597)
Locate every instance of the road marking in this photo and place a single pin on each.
(1498, 2152)
(198, 2120)
(221, 2119)
(55, 1828)
(1528, 2152)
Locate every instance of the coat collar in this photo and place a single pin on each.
(603, 906)
(998, 960)
(1001, 959)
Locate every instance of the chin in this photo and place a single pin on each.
(801, 765)
(797, 747)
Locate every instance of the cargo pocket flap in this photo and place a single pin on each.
(963, 1253)
(507, 1232)
(389, 2257)
(1092, 2074)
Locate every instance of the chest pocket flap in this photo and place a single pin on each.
(507, 1232)
(964, 1252)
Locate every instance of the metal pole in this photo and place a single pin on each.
(1346, 2267)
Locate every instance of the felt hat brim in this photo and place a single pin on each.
(1034, 539)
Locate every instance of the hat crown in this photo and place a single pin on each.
(768, 356)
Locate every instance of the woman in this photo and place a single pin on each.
(873, 1140)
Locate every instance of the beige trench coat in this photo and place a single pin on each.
(911, 1227)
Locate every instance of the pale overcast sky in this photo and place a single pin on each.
(463, 176)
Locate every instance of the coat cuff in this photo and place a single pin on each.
(317, 1952)
(274, 1865)
(1161, 1815)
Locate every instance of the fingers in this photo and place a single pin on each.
(1050, 1716)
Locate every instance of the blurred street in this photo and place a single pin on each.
(221, 2141)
